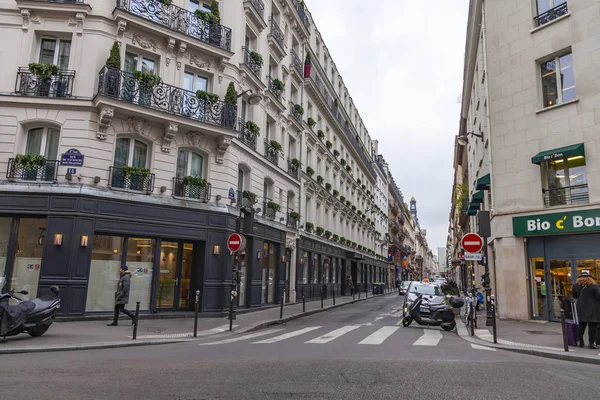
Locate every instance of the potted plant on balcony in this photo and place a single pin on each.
(309, 227)
(336, 193)
(343, 162)
(248, 199)
(112, 76)
(256, 58)
(165, 2)
(348, 168)
(320, 230)
(253, 128)
(147, 81)
(329, 144)
(207, 96)
(278, 84)
(311, 122)
(135, 176)
(342, 240)
(44, 73)
(328, 234)
(296, 164)
(321, 134)
(298, 109)
(336, 153)
(295, 216)
(353, 207)
(27, 166)
(310, 171)
(194, 186)
(364, 187)
(307, 65)
(275, 147)
(272, 209)
(336, 237)
(328, 187)
(343, 199)
(320, 179)
(348, 203)
(358, 181)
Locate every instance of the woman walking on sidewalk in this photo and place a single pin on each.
(587, 291)
(122, 296)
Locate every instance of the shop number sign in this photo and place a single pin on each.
(567, 222)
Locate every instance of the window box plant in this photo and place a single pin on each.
(364, 187)
(298, 109)
(311, 122)
(275, 146)
(320, 230)
(207, 96)
(348, 168)
(353, 207)
(256, 58)
(249, 199)
(343, 199)
(44, 72)
(328, 186)
(310, 171)
(296, 164)
(278, 84)
(336, 153)
(295, 216)
(272, 209)
(336, 238)
(336, 193)
(321, 134)
(358, 181)
(320, 179)
(328, 234)
(343, 240)
(28, 165)
(309, 227)
(136, 177)
(165, 2)
(348, 203)
(343, 162)
(147, 82)
(307, 65)
(328, 144)
(253, 128)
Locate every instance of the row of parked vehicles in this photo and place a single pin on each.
(426, 304)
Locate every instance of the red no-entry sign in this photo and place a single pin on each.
(236, 242)
(472, 243)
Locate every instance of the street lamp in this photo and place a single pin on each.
(253, 99)
(463, 139)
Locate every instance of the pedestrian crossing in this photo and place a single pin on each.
(359, 335)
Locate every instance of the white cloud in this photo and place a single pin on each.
(402, 62)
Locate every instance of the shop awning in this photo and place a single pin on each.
(483, 183)
(562, 152)
(477, 197)
(474, 206)
(472, 212)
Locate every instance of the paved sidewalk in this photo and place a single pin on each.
(95, 334)
(539, 338)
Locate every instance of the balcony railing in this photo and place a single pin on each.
(271, 153)
(57, 85)
(252, 62)
(242, 201)
(552, 14)
(268, 212)
(297, 63)
(46, 171)
(293, 171)
(246, 136)
(295, 113)
(277, 91)
(259, 6)
(182, 188)
(302, 12)
(171, 99)
(276, 33)
(291, 222)
(570, 195)
(179, 20)
(61, 1)
(122, 179)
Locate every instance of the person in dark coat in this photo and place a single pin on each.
(122, 296)
(587, 293)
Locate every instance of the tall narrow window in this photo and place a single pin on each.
(558, 88)
(240, 180)
(131, 152)
(548, 10)
(194, 82)
(189, 163)
(134, 62)
(55, 51)
(42, 142)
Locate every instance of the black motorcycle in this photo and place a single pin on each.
(440, 314)
(32, 316)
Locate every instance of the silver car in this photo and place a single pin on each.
(404, 286)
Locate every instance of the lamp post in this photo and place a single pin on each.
(463, 140)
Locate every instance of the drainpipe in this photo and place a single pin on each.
(487, 109)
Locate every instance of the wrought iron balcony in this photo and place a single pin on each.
(552, 14)
(274, 89)
(291, 222)
(252, 62)
(293, 171)
(56, 85)
(267, 211)
(302, 12)
(276, 33)
(170, 99)
(182, 188)
(569, 195)
(246, 136)
(271, 153)
(121, 178)
(259, 6)
(295, 113)
(297, 63)
(242, 200)
(179, 20)
(45, 171)
(61, 1)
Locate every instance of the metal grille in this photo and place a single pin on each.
(273, 88)
(181, 188)
(276, 33)
(293, 171)
(251, 63)
(58, 85)
(297, 63)
(552, 14)
(119, 178)
(45, 172)
(259, 6)
(566, 196)
(271, 154)
(246, 137)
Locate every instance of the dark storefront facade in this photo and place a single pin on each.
(78, 242)
(324, 267)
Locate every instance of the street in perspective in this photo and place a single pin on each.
(299, 199)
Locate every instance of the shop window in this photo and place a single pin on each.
(55, 51)
(28, 257)
(558, 88)
(107, 258)
(42, 141)
(5, 224)
(243, 280)
(592, 266)
(565, 181)
(140, 260)
(304, 265)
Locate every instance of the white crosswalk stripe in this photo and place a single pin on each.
(429, 338)
(288, 335)
(479, 347)
(380, 335)
(206, 332)
(243, 337)
(334, 334)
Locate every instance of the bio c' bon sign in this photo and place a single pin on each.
(557, 223)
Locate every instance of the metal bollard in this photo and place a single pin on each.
(359, 293)
(494, 319)
(281, 309)
(135, 319)
(563, 324)
(472, 313)
(321, 296)
(196, 306)
(303, 303)
(352, 290)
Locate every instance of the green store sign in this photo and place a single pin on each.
(548, 224)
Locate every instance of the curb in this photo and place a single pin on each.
(135, 343)
(529, 351)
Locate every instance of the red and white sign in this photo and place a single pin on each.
(472, 243)
(236, 242)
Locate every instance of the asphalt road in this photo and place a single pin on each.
(353, 352)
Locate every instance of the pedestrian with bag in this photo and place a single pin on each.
(587, 293)
(122, 296)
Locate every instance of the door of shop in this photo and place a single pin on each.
(176, 276)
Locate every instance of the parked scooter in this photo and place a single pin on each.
(440, 315)
(32, 316)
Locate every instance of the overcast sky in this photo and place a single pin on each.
(402, 61)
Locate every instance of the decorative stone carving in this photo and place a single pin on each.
(137, 125)
(178, 65)
(221, 71)
(121, 26)
(222, 147)
(290, 244)
(194, 138)
(26, 15)
(78, 23)
(170, 47)
(144, 42)
(199, 62)
(182, 48)
(170, 131)
(104, 119)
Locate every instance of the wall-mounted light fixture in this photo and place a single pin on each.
(216, 250)
(219, 197)
(301, 261)
(84, 241)
(258, 255)
(58, 239)
(163, 189)
(96, 179)
(283, 259)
